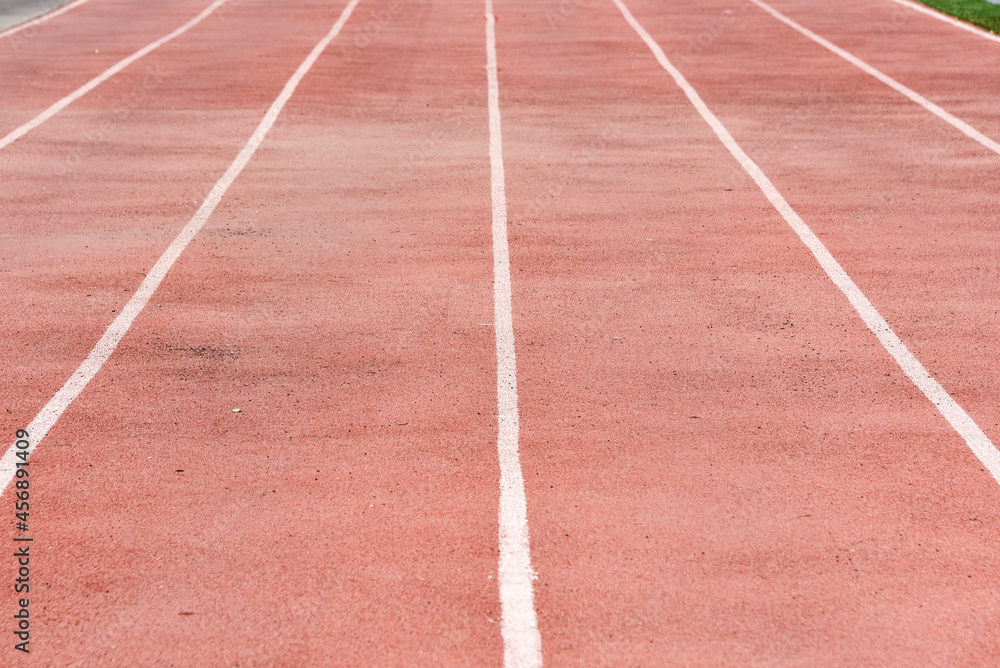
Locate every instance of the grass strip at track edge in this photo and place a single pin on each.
(977, 12)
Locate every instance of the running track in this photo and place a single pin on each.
(721, 463)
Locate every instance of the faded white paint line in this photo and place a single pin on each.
(956, 416)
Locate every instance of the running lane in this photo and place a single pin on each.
(895, 193)
(94, 196)
(952, 67)
(723, 466)
(45, 62)
(341, 299)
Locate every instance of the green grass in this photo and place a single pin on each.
(979, 12)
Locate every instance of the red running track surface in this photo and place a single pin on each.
(722, 465)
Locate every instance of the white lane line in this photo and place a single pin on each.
(41, 19)
(522, 643)
(958, 123)
(101, 78)
(48, 416)
(968, 27)
(956, 416)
